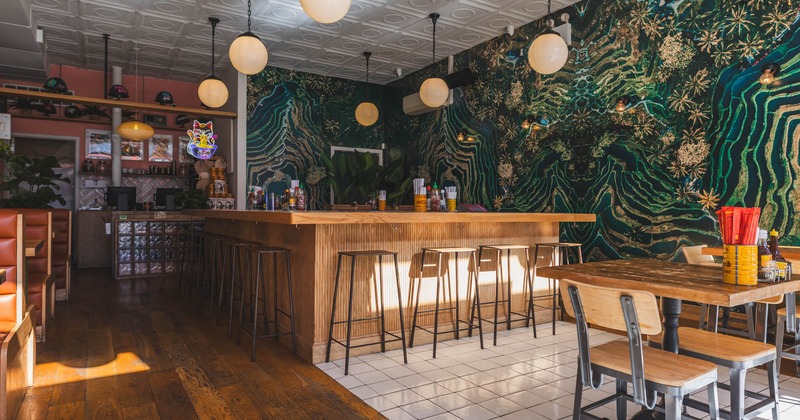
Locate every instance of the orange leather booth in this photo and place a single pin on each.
(62, 253)
(38, 226)
(18, 350)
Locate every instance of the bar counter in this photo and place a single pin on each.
(314, 239)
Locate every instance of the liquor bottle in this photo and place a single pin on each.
(442, 201)
(766, 267)
(251, 199)
(784, 267)
(301, 198)
(292, 201)
(434, 200)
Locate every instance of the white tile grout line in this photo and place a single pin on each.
(520, 378)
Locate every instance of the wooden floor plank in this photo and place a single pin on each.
(135, 349)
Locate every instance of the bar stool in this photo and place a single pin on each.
(211, 248)
(259, 294)
(560, 256)
(189, 253)
(529, 315)
(457, 321)
(233, 257)
(353, 255)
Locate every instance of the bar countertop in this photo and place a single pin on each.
(378, 217)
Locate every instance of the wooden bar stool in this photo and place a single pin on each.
(457, 321)
(737, 354)
(529, 315)
(259, 293)
(560, 256)
(353, 255)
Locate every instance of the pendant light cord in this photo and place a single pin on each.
(248, 15)
(367, 54)
(214, 22)
(434, 17)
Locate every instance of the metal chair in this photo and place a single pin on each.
(651, 371)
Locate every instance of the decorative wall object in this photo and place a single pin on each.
(160, 148)
(98, 144)
(133, 149)
(202, 140)
(183, 153)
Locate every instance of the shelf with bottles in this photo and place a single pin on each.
(106, 175)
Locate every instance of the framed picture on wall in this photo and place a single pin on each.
(133, 149)
(98, 144)
(160, 148)
(183, 153)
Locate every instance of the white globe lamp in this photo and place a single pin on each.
(213, 92)
(326, 11)
(548, 52)
(434, 92)
(248, 53)
(367, 114)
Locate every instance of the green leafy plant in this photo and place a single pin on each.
(354, 176)
(396, 178)
(95, 112)
(191, 199)
(25, 105)
(31, 182)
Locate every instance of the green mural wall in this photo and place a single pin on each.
(703, 133)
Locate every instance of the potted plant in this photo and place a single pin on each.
(191, 199)
(95, 112)
(31, 182)
(354, 178)
(24, 105)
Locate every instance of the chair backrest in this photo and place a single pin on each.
(38, 226)
(62, 235)
(601, 307)
(12, 252)
(632, 311)
(694, 255)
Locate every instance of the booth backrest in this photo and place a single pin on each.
(37, 227)
(12, 252)
(62, 236)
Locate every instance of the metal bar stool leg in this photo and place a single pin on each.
(400, 309)
(496, 298)
(436, 311)
(291, 301)
(380, 295)
(416, 304)
(349, 316)
(458, 297)
(476, 277)
(259, 275)
(333, 309)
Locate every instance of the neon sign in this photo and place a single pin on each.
(202, 140)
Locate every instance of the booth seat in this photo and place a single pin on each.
(18, 349)
(38, 226)
(62, 253)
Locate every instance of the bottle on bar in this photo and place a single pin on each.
(292, 201)
(428, 198)
(442, 201)
(300, 197)
(784, 266)
(434, 198)
(766, 267)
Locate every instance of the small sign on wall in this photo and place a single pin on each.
(5, 126)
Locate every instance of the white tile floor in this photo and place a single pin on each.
(520, 378)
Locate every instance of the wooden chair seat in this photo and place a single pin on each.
(723, 347)
(782, 311)
(449, 250)
(663, 367)
(506, 246)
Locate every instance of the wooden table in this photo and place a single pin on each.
(674, 282)
(32, 246)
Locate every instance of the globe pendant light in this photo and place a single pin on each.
(135, 130)
(247, 52)
(434, 91)
(548, 52)
(326, 11)
(212, 90)
(367, 112)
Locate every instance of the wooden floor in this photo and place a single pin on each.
(134, 349)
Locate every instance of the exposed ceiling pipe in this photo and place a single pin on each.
(105, 67)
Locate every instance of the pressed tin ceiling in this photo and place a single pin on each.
(175, 36)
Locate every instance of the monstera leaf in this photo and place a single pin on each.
(32, 182)
(354, 176)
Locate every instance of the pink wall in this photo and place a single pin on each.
(90, 83)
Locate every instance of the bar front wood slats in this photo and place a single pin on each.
(315, 240)
(359, 217)
(672, 280)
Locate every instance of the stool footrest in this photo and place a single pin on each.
(355, 346)
(427, 311)
(523, 317)
(470, 326)
(359, 320)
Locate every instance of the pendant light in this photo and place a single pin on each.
(434, 90)
(367, 112)
(135, 130)
(247, 52)
(548, 52)
(213, 91)
(326, 11)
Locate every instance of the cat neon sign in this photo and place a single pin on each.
(202, 140)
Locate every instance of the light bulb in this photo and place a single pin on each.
(213, 92)
(367, 114)
(526, 124)
(326, 11)
(537, 127)
(248, 53)
(461, 136)
(548, 53)
(434, 92)
(767, 77)
(621, 106)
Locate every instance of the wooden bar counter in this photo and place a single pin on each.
(315, 238)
